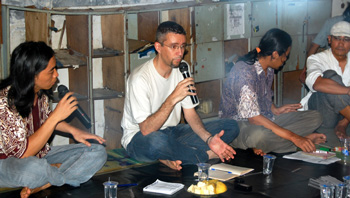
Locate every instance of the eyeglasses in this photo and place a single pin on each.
(339, 38)
(176, 47)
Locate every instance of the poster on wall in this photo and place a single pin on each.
(235, 19)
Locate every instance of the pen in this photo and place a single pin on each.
(295, 170)
(250, 174)
(125, 185)
(320, 151)
(229, 172)
(324, 149)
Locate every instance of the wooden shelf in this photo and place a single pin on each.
(105, 93)
(78, 96)
(98, 94)
(103, 52)
(137, 45)
(65, 59)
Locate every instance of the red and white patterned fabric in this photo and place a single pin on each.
(15, 130)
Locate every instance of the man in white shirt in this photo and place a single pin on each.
(156, 92)
(328, 78)
(321, 39)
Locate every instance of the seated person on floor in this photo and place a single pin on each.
(321, 40)
(247, 97)
(27, 123)
(155, 93)
(328, 80)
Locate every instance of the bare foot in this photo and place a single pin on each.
(258, 152)
(340, 129)
(56, 165)
(317, 138)
(175, 165)
(25, 192)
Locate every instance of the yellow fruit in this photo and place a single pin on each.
(208, 187)
(212, 181)
(220, 187)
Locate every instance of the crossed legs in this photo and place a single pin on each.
(179, 145)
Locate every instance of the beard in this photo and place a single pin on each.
(173, 64)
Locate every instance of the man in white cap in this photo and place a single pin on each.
(328, 78)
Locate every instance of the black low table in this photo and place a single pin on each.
(289, 179)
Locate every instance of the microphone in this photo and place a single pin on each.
(184, 70)
(62, 91)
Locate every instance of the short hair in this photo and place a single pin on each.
(27, 60)
(274, 40)
(168, 27)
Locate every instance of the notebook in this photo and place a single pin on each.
(224, 172)
(161, 187)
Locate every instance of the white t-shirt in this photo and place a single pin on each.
(319, 63)
(146, 90)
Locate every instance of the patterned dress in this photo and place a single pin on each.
(15, 130)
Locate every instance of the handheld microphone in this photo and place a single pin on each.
(62, 91)
(184, 70)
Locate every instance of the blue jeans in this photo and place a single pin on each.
(79, 164)
(179, 142)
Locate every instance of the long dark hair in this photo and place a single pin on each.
(273, 40)
(27, 60)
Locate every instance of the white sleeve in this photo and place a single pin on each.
(314, 70)
(140, 100)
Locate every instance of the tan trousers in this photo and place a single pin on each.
(302, 123)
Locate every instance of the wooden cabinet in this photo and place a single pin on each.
(217, 32)
(121, 32)
(79, 58)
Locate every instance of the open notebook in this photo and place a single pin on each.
(226, 172)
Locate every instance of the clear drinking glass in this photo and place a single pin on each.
(110, 189)
(268, 161)
(346, 180)
(203, 171)
(327, 191)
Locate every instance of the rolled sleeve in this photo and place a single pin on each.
(314, 70)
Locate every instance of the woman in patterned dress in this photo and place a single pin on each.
(27, 123)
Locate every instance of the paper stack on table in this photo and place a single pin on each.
(161, 187)
(300, 155)
(315, 183)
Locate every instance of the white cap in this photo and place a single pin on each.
(341, 28)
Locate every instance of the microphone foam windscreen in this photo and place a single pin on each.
(183, 67)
